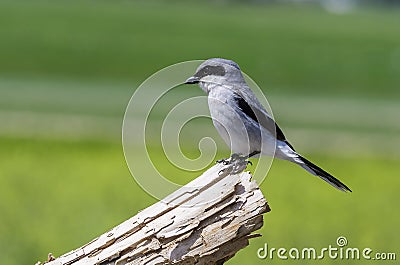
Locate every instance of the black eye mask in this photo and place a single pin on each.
(210, 70)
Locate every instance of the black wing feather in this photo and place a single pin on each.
(259, 117)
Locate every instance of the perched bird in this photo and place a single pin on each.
(243, 122)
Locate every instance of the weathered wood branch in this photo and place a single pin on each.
(205, 222)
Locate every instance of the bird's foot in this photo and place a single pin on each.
(225, 161)
(234, 164)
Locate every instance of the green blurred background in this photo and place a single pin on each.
(68, 69)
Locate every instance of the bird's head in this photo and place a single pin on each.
(216, 71)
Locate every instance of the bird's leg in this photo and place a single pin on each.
(235, 164)
(250, 155)
(238, 156)
(253, 154)
(224, 161)
(231, 159)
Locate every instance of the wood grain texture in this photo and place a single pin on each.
(204, 222)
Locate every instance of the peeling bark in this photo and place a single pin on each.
(204, 222)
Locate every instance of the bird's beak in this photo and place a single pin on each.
(192, 80)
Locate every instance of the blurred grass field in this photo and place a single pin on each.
(68, 69)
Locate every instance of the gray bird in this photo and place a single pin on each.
(241, 120)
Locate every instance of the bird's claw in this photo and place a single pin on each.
(234, 164)
(223, 161)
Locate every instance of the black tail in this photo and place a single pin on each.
(317, 171)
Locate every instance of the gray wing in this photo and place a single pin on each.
(260, 116)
